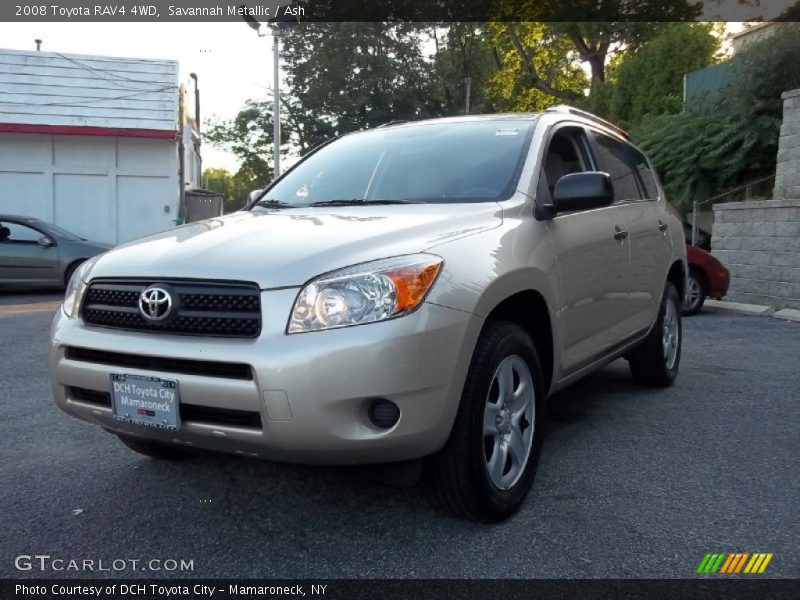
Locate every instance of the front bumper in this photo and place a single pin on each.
(309, 391)
(719, 283)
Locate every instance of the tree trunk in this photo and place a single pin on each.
(597, 65)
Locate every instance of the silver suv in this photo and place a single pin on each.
(412, 291)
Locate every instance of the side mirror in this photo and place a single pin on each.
(253, 195)
(581, 191)
(46, 241)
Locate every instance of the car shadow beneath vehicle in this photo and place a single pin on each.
(583, 400)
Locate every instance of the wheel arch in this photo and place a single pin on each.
(677, 276)
(529, 310)
(73, 264)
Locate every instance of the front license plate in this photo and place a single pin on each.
(143, 400)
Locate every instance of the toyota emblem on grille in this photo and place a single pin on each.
(155, 303)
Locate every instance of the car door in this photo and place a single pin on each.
(23, 259)
(636, 199)
(592, 259)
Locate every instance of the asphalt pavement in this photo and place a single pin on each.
(633, 482)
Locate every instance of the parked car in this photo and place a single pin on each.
(409, 292)
(703, 237)
(707, 277)
(34, 253)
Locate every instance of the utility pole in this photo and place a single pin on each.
(197, 125)
(276, 104)
(275, 32)
(468, 81)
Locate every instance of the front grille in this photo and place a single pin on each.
(190, 413)
(199, 308)
(207, 368)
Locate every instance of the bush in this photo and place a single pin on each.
(733, 137)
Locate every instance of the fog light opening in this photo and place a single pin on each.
(383, 413)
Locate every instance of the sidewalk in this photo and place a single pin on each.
(787, 314)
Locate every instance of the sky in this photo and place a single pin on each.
(232, 62)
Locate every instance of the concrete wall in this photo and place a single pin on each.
(787, 171)
(760, 241)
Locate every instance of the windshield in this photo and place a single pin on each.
(63, 233)
(440, 162)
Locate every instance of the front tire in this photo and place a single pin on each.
(487, 466)
(655, 362)
(696, 292)
(154, 449)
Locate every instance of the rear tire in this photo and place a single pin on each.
(656, 361)
(696, 292)
(487, 466)
(155, 449)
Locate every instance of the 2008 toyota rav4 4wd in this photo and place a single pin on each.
(411, 291)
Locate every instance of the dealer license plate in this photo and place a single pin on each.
(143, 400)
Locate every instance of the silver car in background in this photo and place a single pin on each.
(34, 253)
(410, 292)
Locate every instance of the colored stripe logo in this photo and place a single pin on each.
(732, 563)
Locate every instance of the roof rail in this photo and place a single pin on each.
(563, 108)
(392, 122)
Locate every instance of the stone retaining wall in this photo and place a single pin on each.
(760, 243)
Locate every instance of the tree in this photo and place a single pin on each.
(733, 138)
(349, 76)
(536, 68)
(462, 51)
(582, 31)
(249, 137)
(649, 81)
(235, 187)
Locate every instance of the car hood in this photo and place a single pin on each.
(287, 247)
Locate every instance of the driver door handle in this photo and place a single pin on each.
(619, 234)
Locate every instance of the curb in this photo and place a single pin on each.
(788, 314)
(758, 310)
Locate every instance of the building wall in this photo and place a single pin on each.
(75, 90)
(755, 33)
(106, 189)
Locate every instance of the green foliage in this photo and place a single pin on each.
(235, 187)
(536, 68)
(348, 76)
(649, 81)
(733, 138)
(249, 137)
(462, 51)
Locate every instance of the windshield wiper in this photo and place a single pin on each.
(270, 203)
(356, 202)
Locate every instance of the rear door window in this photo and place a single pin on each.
(646, 176)
(614, 157)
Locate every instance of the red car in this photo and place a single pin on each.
(707, 277)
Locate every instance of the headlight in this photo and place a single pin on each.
(365, 293)
(76, 287)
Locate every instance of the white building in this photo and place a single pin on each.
(92, 143)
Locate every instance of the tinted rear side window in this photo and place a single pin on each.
(645, 173)
(614, 158)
